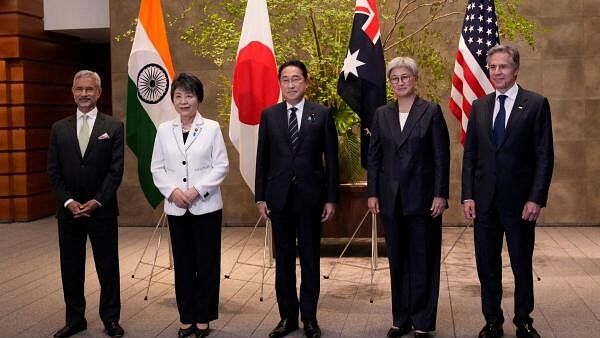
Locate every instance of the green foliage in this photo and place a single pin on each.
(512, 24)
(317, 32)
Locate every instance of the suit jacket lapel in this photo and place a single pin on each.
(516, 114)
(393, 121)
(72, 133)
(416, 112)
(196, 128)
(489, 117)
(306, 111)
(178, 135)
(283, 122)
(96, 131)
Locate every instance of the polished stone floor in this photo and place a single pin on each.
(567, 262)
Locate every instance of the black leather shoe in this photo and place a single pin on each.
(113, 329)
(312, 329)
(188, 331)
(71, 329)
(527, 331)
(491, 331)
(201, 333)
(421, 334)
(285, 327)
(399, 331)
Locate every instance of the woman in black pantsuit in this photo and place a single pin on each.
(408, 174)
(189, 162)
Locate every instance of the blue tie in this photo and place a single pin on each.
(499, 127)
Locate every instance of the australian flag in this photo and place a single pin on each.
(362, 80)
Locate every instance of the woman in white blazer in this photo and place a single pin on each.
(189, 162)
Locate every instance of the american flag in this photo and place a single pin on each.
(471, 77)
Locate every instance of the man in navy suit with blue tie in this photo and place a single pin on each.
(507, 168)
(297, 188)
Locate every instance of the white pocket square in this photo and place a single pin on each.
(104, 136)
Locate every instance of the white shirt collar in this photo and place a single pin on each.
(511, 92)
(91, 114)
(300, 105)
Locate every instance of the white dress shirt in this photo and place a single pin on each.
(403, 118)
(300, 109)
(90, 120)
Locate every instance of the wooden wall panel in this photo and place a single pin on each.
(23, 184)
(29, 7)
(24, 139)
(37, 49)
(36, 73)
(33, 116)
(42, 72)
(27, 208)
(23, 161)
(34, 93)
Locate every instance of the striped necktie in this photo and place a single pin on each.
(293, 127)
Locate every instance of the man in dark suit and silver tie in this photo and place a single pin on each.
(507, 167)
(297, 188)
(85, 167)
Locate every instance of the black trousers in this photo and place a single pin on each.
(294, 221)
(489, 230)
(196, 243)
(72, 237)
(414, 249)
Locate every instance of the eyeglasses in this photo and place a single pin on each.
(291, 81)
(401, 78)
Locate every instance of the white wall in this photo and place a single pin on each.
(75, 14)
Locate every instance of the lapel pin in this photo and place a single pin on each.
(520, 107)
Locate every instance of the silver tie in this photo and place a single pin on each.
(84, 134)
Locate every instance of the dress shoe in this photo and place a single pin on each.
(312, 329)
(188, 331)
(71, 329)
(113, 329)
(201, 333)
(527, 331)
(285, 327)
(491, 331)
(421, 334)
(399, 331)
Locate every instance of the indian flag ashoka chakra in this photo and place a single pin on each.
(152, 83)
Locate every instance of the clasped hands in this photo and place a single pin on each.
(184, 199)
(82, 210)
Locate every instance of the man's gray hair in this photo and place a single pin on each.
(403, 61)
(511, 51)
(88, 73)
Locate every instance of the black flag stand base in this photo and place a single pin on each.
(374, 254)
(267, 261)
(159, 229)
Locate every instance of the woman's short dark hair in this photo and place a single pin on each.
(294, 63)
(188, 83)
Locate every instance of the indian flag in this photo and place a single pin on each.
(149, 103)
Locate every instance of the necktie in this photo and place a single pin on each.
(500, 121)
(84, 134)
(293, 127)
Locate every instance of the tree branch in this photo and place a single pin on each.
(425, 25)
